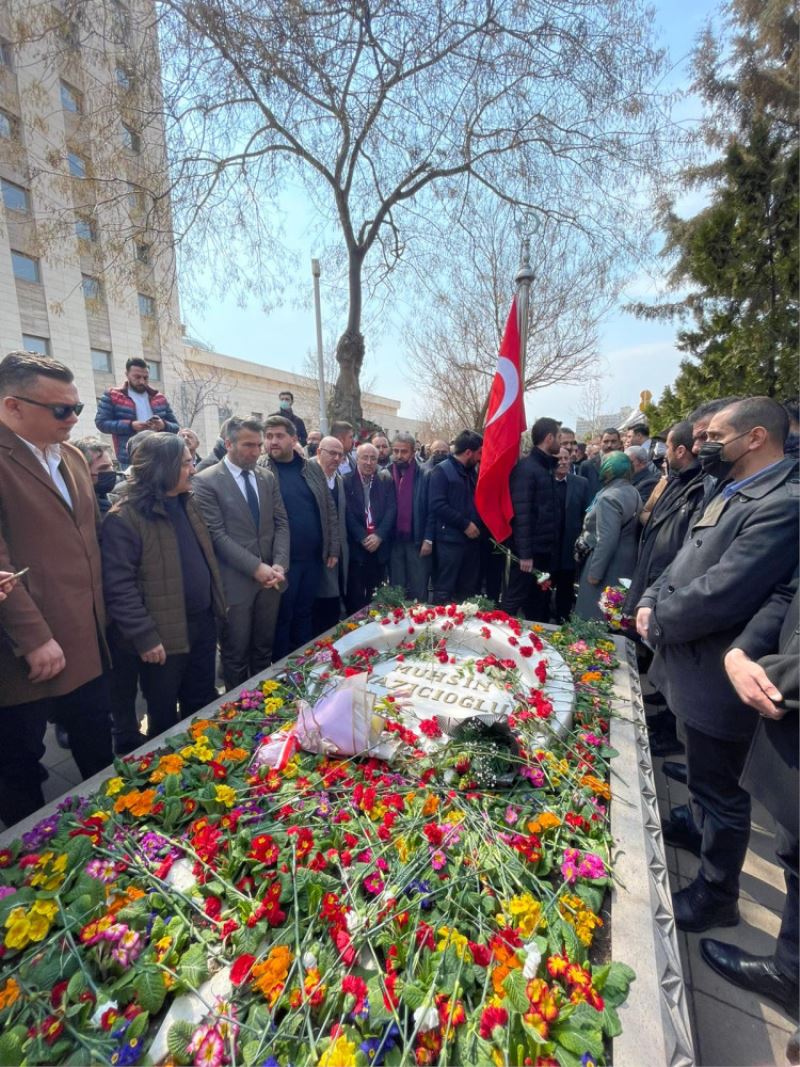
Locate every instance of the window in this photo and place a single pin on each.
(131, 139)
(70, 98)
(124, 80)
(76, 164)
(9, 126)
(25, 268)
(143, 253)
(147, 306)
(154, 366)
(85, 229)
(92, 289)
(6, 54)
(15, 197)
(101, 361)
(41, 345)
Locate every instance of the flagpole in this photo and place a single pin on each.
(523, 282)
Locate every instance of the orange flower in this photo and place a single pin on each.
(9, 994)
(590, 677)
(269, 976)
(199, 727)
(431, 805)
(172, 763)
(131, 893)
(232, 755)
(600, 788)
(547, 820)
(138, 803)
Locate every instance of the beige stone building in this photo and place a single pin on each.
(86, 265)
(214, 386)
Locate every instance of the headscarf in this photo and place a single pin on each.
(615, 465)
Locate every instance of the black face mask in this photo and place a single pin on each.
(712, 460)
(106, 480)
(437, 457)
(312, 448)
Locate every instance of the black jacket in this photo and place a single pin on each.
(738, 551)
(383, 505)
(666, 530)
(216, 454)
(451, 500)
(299, 425)
(423, 521)
(590, 470)
(771, 774)
(645, 481)
(534, 528)
(576, 503)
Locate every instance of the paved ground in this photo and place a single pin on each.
(731, 1028)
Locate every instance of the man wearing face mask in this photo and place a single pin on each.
(285, 401)
(439, 451)
(740, 548)
(101, 468)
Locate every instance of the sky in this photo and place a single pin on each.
(634, 355)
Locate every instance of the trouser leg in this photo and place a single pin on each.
(398, 565)
(22, 730)
(124, 688)
(325, 613)
(196, 686)
(234, 643)
(447, 564)
(307, 578)
(265, 619)
(517, 591)
(787, 950)
(160, 685)
(419, 573)
(564, 583)
(85, 714)
(469, 573)
(720, 807)
(281, 645)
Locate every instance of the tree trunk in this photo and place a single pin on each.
(350, 348)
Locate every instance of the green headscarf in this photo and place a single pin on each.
(615, 465)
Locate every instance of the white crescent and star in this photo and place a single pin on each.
(510, 376)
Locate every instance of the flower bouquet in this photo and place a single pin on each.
(612, 601)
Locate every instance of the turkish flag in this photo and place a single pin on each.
(505, 424)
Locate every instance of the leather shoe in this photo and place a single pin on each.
(680, 830)
(756, 974)
(665, 745)
(676, 771)
(698, 908)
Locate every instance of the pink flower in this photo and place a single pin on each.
(535, 776)
(591, 866)
(511, 815)
(438, 859)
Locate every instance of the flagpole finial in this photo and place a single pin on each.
(525, 272)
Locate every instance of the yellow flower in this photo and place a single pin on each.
(18, 927)
(114, 786)
(40, 919)
(403, 851)
(269, 686)
(292, 768)
(455, 817)
(450, 936)
(9, 994)
(272, 705)
(525, 913)
(50, 873)
(224, 794)
(342, 1053)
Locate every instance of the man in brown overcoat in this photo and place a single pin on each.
(53, 658)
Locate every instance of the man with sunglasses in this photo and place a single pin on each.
(54, 660)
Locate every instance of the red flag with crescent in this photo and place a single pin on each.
(505, 424)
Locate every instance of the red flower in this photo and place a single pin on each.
(241, 968)
(213, 907)
(481, 954)
(5, 857)
(430, 728)
(490, 1019)
(357, 988)
(526, 651)
(264, 850)
(59, 989)
(541, 671)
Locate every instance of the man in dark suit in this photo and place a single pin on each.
(456, 523)
(572, 497)
(371, 512)
(741, 547)
(763, 667)
(242, 506)
(412, 542)
(333, 583)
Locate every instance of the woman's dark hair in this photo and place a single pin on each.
(155, 470)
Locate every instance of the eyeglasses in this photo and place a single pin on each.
(331, 451)
(59, 411)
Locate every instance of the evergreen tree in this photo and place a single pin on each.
(737, 258)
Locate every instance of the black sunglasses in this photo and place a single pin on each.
(60, 411)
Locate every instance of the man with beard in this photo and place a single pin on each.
(742, 546)
(456, 524)
(381, 442)
(412, 544)
(534, 527)
(133, 407)
(242, 506)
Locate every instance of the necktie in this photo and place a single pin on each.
(252, 497)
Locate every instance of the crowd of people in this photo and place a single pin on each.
(243, 556)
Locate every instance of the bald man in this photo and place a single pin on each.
(439, 450)
(327, 609)
(371, 513)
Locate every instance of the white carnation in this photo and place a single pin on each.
(426, 1018)
(533, 958)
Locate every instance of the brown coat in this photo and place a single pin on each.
(61, 596)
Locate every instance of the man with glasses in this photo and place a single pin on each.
(53, 665)
(371, 513)
(333, 584)
(133, 407)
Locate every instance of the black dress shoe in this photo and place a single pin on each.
(665, 745)
(62, 737)
(676, 771)
(698, 908)
(756, 974)
(680, 830)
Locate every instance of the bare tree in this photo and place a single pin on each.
(453, 343)
(592, 406)
(198, 390)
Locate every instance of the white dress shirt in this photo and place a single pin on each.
(241, 481)
(144, 409)
(50, 460)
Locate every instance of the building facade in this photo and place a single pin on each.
(87, 271)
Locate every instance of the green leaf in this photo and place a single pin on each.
(76, 985)
(566, 1058)
(138, 1026)
(579, 1041)
(413, 995)
(178, 1038)
(516, 996)
(11, 1046)
(150, 990)
(193, 968)
(79, 849)
(172, 785)
(617, 983)
(252, 1052)
(609, 1020)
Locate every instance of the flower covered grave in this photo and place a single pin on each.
(437, 906)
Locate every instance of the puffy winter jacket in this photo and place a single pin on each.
(116, 412)
(534, 528)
